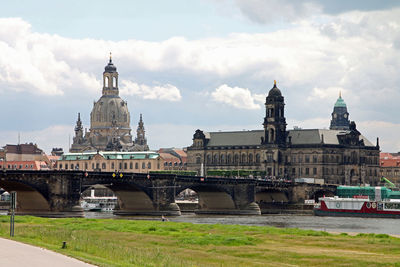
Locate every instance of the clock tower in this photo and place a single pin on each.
(340, 116)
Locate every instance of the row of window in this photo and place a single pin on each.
(334, 159)
(176, 164)
(20, 166)
(228, 159)
(103, 166)
(326, 171)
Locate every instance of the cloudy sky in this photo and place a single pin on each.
(204, 64)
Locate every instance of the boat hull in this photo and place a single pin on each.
(318, 212)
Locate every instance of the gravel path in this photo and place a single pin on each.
(15, 254)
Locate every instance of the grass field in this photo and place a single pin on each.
(107, 242)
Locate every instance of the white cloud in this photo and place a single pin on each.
(160, 92)
(46, 139)
(329, 93)
(237, 97)
(277, 11)
(269, 11)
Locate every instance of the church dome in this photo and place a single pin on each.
(274, 91)
(110, 67)
(110, 111)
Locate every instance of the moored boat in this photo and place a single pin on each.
(360, 202)
(357, 207)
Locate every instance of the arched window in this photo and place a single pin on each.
(131, 165)
(222, 159)
(149, 165)
(198, 160)
(236, 159)
(143, 165)
(137, 165)
(229, 159)
(257, 158)
(243, 158)
(103, 166)
(271, 135)
(215, 159)
(114, 81)
(107, 82)
(250, 158)
(208, 159)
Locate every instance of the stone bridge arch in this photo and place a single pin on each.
(216, 196)
(31, 198)
(137, 194)
(271, 195)
(211, 199)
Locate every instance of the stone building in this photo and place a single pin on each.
(174, 159)
(110, 161)
(23, 152)
(25, 157)
(390, 166)
(339, 155)
(109, 122)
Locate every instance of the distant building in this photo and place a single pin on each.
(174, 158)
(110, 161)
(109, 122)
(23, 152)
(56, 151)
(390, 166)
(34, 165)
(27, 157)
(340, 155)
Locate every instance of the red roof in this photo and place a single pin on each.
(23, 149)
(394, 162)
(385, 155)
(169, 158)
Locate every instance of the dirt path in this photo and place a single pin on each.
(15, 254)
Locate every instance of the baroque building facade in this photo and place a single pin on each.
(112, 161)
(340, 155)
(109, 122)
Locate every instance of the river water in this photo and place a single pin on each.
(329, 224)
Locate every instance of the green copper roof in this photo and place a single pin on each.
(340, 103)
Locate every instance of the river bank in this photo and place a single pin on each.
(111, 242)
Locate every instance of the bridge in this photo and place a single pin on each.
(57, 193)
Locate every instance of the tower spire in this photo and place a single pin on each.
(140, 139)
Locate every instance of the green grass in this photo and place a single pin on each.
(107, 242)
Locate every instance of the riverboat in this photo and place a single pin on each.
(357, 207)
(103, 204)
(361, 201)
